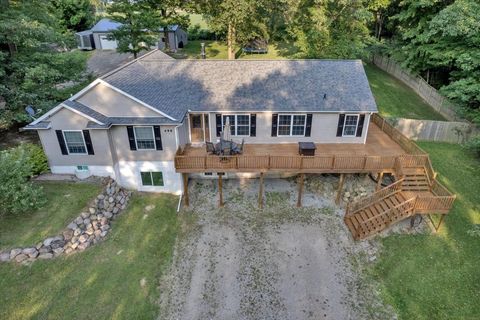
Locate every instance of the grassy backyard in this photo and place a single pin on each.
(395, 99)
(116, 279)
(218, 50)
(437, 276)
(65, 200)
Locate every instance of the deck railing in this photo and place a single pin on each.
(284, 163)
(381, 194)
(407, 145)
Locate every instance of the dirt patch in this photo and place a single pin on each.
(282, 262)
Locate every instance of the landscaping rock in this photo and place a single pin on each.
(46, 255)
(14, 253)
(74, 245)
(46, 249)
(108, 215)
(48, 241)
(67, 234)
(77, 232)
(57, 244)
(105, 227)
(92, 210)
(83, 238)
(111, 199)
(83, 246)
(115, 210)
(72, 226)
(86, 222)
(103, 234)
(89, 231)
(4, 256)
(100, 197)
(21, 257)
(29, 251)
(58, 251)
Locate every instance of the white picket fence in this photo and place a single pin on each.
(431, 130)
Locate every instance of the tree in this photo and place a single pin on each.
(32, 59)
(239, 20)
(75, 15)
(379, 10)
(140, 25)
(169, 15)
(330, 28)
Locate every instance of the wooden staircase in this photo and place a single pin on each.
(416, 192)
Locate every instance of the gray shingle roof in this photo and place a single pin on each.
(174, 87)
(86, 110)
(39, 126)
(109, 121)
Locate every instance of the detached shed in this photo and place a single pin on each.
(85, 40)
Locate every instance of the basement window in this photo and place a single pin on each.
(152, 178)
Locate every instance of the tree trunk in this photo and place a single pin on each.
(230, 42)
(165, 31)
(135, 55)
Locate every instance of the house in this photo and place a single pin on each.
(147, 123)
(103, 37)
(135, 118)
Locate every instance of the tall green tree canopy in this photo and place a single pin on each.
(32, 59)
(330, 28)
(75, 15)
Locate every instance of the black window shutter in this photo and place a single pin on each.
(158, 137)
(308, 127)
(274, 124)
(360, 125)
(131, 138)
(253, 125)
(341, 121)
(218, 118)
(61, 142)
(88, 142)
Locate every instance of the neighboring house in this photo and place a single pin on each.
(130, 123)
(103, 36)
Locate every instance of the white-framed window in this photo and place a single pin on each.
(152, 178)
(144, 138)
(350, 125)
(239, 124)
(291, 124)
(75, 142)
(82, 168)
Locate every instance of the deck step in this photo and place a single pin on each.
(379, 215)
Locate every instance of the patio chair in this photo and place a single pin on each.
(210, 148)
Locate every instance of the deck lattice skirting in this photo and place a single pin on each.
(416, 190)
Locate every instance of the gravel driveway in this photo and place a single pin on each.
(282, 262)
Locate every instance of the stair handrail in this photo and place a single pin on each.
(412, 206)
(379, 195)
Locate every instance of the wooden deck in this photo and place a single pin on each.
(377, 154)
(378, 144)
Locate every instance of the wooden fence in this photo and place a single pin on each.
(431, 130)
(438, 102)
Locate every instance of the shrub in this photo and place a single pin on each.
(474, 145)
(196, 33)
(17, 194)
(35, 157)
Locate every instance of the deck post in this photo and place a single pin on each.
(220, 191)
(340, 187)
(260, 192)
(300, 189)
(185, 189)
(379, 181)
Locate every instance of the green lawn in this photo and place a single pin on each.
(65, 201)
(395, 99)
(218, 50)
(116, 279)
(438, 276)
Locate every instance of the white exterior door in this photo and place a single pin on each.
(108, 44)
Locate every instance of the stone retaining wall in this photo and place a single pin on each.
(87, 229)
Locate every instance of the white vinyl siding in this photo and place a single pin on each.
(75, 142)
(291, 125)
(144, 138)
